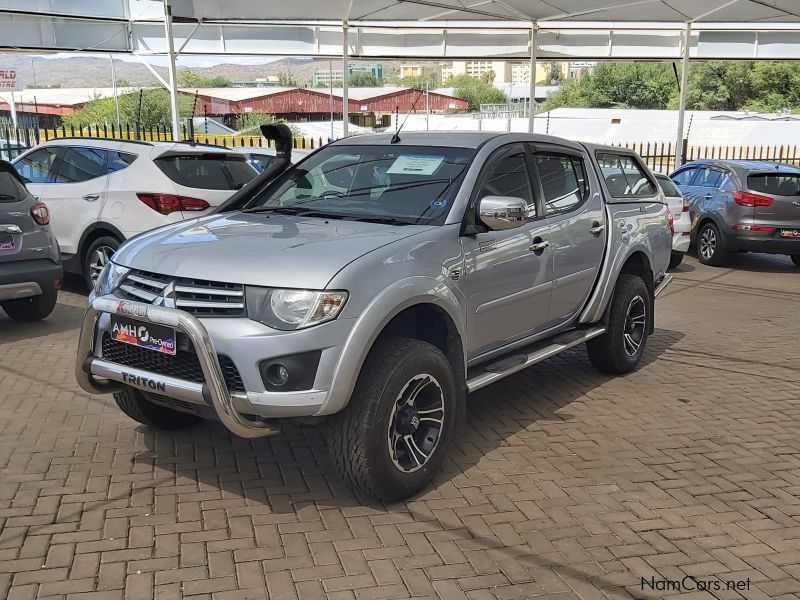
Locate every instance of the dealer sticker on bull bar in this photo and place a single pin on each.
(144, 335)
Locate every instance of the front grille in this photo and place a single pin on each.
(198, 297)
(183, 365)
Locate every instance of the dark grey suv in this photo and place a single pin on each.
(742, 205)
(30, 266)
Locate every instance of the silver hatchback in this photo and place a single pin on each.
(742, 205)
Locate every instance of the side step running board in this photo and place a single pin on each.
(528, 356)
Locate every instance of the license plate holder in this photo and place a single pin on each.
(790, 233)
(6, 242)
(150, 336)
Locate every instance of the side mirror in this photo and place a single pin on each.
(502, 212)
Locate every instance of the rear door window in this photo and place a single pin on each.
(81, 164)
(37, 166)
(625, 177)
(776, 184)
(563, 181)
(207, 171)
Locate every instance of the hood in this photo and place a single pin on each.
(263, 249)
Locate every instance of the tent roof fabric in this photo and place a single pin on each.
(674, 11)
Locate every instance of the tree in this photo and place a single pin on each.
(555, 74)
(121, 82)
(488, 76)
(190, 79)
(155, 110)
(475, 91)
(362, 79)
(287, 80)
(618, 85)
(419, 82)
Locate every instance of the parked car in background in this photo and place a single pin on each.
(742, 205)
(261, 158)
(681, 219)
(101, 192)
(378, 283)
(30, 268)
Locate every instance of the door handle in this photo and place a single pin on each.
(708, 196)
(597, 229)
(91, 197)
(539, 245)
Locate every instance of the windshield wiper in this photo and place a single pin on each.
(383, 220)
(283, 210)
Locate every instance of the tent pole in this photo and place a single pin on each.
(679, 157)
(345, 76)
(114, 87)
(532, 78)
(173, 80)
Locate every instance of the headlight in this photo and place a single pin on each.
(293, 309)
(110, 278)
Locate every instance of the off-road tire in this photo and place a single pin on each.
(107, 241)
(720, 252)
(675, 259)
(358, 435)
(31, 309)
(607, 352)
(147, 413)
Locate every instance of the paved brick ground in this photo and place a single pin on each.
(565, 484)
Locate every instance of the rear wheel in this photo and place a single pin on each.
(675, 259)
(392, 436)
(795, 259)
(97, 256)
(620, 348)
(711, 248)
(31, 309)
(147, 413)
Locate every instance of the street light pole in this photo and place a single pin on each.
(679, 157)
(532, 78)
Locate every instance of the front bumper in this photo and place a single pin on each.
(241, 413)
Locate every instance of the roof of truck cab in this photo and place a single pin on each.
(453, 139)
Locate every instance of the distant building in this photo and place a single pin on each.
(505, 71)
(43, 108)
(323, 77)
(269, 81)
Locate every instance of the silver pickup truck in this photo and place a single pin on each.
(370, 287)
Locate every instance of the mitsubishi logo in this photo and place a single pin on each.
(167, 297)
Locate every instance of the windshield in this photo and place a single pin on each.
(395, 184)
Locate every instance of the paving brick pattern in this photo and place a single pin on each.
(564, 484)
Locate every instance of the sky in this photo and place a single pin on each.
(183, 61)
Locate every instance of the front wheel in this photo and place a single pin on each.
(392, 436)
(620, 348)
(97, 256)
(675, 259)
(795, 259)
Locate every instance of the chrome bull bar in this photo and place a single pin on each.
(116, 377)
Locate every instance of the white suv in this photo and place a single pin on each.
(102, 192)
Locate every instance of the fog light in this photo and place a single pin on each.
(277, 374)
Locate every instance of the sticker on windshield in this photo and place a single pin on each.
(415, 165)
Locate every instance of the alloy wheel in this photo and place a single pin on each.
(635, 325)
(98, 261)
(416, 423)
(708, 243)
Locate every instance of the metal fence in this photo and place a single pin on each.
(15, 141)
(660, 157)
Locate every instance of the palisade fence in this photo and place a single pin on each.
(660, 157)
(15, 141)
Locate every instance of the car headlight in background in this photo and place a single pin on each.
(293, 309)
(111, 276)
